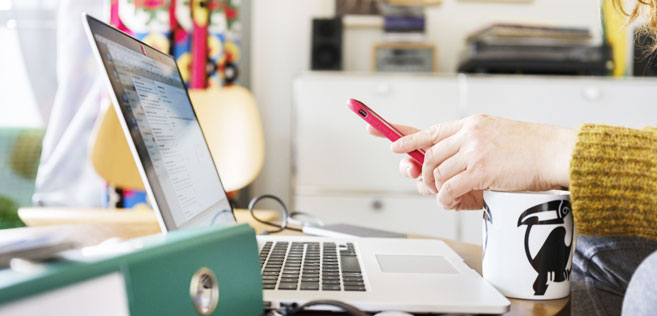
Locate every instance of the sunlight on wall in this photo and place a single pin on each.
(5, 5)
(18, 106)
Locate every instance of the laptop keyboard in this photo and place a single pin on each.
(311, 266)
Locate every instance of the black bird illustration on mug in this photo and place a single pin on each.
(552, 257)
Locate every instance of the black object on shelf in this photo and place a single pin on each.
(326, 48)
(544, 60)
(522, 49)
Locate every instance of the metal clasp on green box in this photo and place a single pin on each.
(204, 271)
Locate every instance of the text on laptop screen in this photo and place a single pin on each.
(167, 136)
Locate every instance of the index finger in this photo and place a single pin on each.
(426, 138)
(406, 130)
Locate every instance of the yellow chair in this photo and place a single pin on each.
(231, 124)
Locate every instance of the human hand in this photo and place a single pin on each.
(480, 152)
(408, 166)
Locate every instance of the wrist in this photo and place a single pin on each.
(563, 146)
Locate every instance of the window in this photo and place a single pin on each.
(27, 61)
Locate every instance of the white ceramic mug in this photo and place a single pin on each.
(528, 243)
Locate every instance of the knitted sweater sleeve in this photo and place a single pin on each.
(613, 181)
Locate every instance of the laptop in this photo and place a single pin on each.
(182, 182)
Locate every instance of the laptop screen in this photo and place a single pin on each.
(164, 129)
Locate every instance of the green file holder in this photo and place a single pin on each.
(160, 273)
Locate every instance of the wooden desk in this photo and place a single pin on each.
(96, 225)
(122, 223)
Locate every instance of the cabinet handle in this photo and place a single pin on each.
(383, 88)
(377, 205)
(592, 93)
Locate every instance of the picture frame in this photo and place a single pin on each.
(405, 57)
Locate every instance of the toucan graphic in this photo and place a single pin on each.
(551, 260)
(488, 217)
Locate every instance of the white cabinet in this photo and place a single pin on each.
(342, 174)
(340, 171)
(332, 149)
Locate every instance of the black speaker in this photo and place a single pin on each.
(326, 53)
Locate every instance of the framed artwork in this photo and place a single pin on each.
(404, 57)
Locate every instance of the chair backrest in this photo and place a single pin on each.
(110, 154)
(230, 121)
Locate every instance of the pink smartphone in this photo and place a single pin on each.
(382, 126)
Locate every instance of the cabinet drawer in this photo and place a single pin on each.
(411, 214)
(565, 102)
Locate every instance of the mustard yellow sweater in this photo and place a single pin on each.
(613, 181)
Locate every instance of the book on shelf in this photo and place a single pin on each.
(400, 24)
(524, 34)
(403, 23)
(534, 49)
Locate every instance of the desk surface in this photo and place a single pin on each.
(92, 227)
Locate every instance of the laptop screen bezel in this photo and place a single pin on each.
(131, 132)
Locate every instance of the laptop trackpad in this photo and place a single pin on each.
(415, 264)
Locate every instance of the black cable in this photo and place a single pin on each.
(291, 310)
(283, 225)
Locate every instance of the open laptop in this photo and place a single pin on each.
(184, 187)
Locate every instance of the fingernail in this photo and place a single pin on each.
(396, 145)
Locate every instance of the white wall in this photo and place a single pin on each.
(281, 45)
(18, 106)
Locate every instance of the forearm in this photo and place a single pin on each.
(613, 181)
